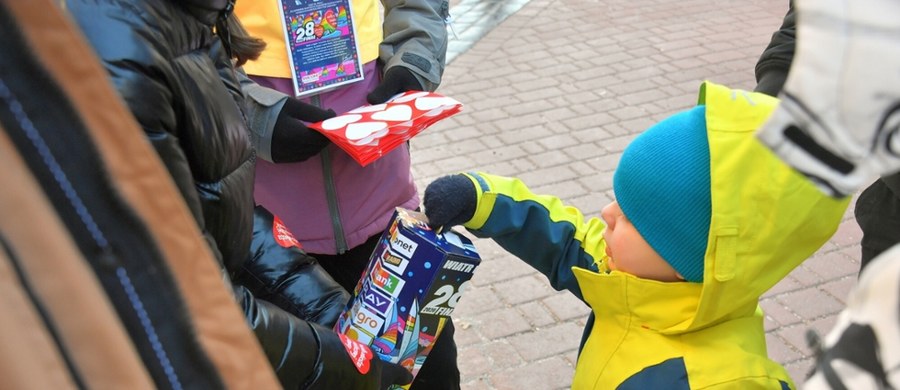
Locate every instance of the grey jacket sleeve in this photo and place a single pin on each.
(415, 36)
(261, 105)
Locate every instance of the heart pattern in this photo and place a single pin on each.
(431, 102)
(361, 130)
(368, 132)
(394, 113)
(339, 122)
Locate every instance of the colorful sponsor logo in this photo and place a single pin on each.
(377, 301)
(367, 321)
(358, 334)
(385, 280)
(459, 266)
(282, 235)
(394, 226)
(402, 245)
(393, 262)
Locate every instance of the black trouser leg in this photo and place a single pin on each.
(878, 214)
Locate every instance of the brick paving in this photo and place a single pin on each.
(552, 94)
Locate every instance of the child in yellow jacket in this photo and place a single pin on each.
(706, 219)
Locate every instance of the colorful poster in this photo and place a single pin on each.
(321, 43)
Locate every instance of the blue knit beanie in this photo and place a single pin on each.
(662, 185)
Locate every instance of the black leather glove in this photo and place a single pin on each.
(348, 364)
(396, 80)
(450, 201)
(292, 141)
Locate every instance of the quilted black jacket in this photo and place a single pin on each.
(173, 72)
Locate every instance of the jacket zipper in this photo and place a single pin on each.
(340, 243)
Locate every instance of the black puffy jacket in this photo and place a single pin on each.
(173, 72)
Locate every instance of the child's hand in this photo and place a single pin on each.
(450, 201)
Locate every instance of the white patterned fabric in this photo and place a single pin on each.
(862, 351)
(839, 116)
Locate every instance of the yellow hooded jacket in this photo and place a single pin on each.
(644, 334)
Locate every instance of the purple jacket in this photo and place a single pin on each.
(330, 202)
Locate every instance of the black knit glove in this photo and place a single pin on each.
(292, 141)
(396, 80)
(450, 201)
(348, 364)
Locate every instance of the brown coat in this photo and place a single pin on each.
(60, 327)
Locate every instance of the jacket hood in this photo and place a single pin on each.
(766, 217)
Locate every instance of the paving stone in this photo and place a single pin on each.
(794, 337)
(503, 355)
(637, 125)
(501, 153)
(840, 288)
(478, 383)
(566, 307)
(477, 299)
(536, 314)
(553, 373)
(547, 342)
(779, 350)
(777, 314)
(548, 175)
(595, 136)
(810, 302)
(563, 190)
(832, 265)
(805, 276)
(501, 268)
(556, 143)
(474, 361)
(848, 233)
(852, 252)
(589, 204)
(617, 144)
(524, 289)
(466, 334)
(799, 370)
(496, 324)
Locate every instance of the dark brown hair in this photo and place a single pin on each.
(244, 47)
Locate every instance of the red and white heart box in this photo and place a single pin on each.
(371, 131)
